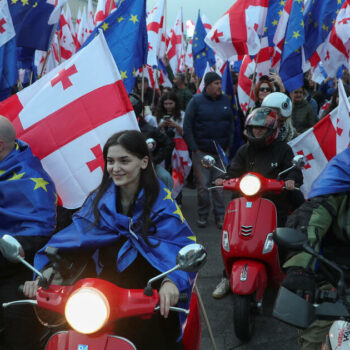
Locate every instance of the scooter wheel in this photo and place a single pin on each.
(244, 311)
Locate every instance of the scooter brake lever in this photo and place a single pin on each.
(174, 308)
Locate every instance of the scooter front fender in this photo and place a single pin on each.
(71, 340)
(248, 277)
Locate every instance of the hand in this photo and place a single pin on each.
(218, 182)
(290, 185)
(168, 296)
(300, 281)
(30, 288)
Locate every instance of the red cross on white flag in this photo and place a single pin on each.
(330, 136)
(7, 31)
(67, 127)
(237, 31)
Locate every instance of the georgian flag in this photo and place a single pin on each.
(155, 32)
(319, 144)
(176, 48)
(67, 116)
(237, 31)
(103, 9)
(244, 90)
(7, 31)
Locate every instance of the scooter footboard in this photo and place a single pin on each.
(248, 277)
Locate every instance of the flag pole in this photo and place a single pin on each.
(253, 81)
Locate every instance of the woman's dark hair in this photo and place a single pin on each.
(161, 111)
(134, 142)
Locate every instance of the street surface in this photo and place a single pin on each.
(270, 334)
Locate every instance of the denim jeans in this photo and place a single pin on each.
(204, 178)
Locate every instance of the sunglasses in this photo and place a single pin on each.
(262, 89)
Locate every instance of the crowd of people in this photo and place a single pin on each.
(136, 179)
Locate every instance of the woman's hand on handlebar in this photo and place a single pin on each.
(168, 296)
(290, 185)
(30, 288)
(218, 182)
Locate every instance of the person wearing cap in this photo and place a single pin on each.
(208, 123)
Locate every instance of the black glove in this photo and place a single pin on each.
(301, 282)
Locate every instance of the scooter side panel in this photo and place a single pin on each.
(71, 340)
(255, 278)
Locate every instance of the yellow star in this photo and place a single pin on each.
(168, 196)
(282, 2)
(123, 74)
(39, 183)
(25, 2)
(105, 26)
(119, 19)
(274, 22)
(203, 54)
(134, 72)
(56, 198)
(302, 23)
(299, 1)
(297, 50)
(195, 45)
(14, 1)
(133, 18)
(16, 177)
(198, 56)
(296, 34)
(265, 29)
(35, 5)
(192, 238)
(310, 20)
(315, 24)
(194, 33)
(324, 27)
(196, 38)
(179, 212)
(2, 171)
(339, 2)
(280, 12)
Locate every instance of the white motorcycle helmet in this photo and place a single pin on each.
(280, 101)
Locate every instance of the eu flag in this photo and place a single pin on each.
(125, 31)
(319, 19)
(28, 195)
(30, 19)
(291, 71)
(200, 50)
(273, 15)
(8, 68)
(227, 88)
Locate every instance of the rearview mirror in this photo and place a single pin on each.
(208, 161)
(299, 161)
(191, 257)
(11, 249)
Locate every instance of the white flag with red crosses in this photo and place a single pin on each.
(330, 136)
(67, 116)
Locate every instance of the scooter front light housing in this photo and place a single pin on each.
(269, 244)
(87, 310)
(250, 185)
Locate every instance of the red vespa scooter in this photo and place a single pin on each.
(248, 250)
(91, 305)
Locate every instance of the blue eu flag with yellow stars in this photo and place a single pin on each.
(172, 233)
(319, 19)
(30, 19)
(27, 195)
(291, 71)
(201, 52)
(273, 15)
(125, 31)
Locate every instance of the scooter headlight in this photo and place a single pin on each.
(87, 310)
(250, 185)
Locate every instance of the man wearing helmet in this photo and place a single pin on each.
(282, 104)
(268, 156)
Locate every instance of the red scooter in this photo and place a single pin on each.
(248, 250)
(91, 305)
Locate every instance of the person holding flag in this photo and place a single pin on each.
(134, 230)
(28, 213)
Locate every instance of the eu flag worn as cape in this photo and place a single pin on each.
(27, 195)
(125, 31)
(335, 178)
(172, 234)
